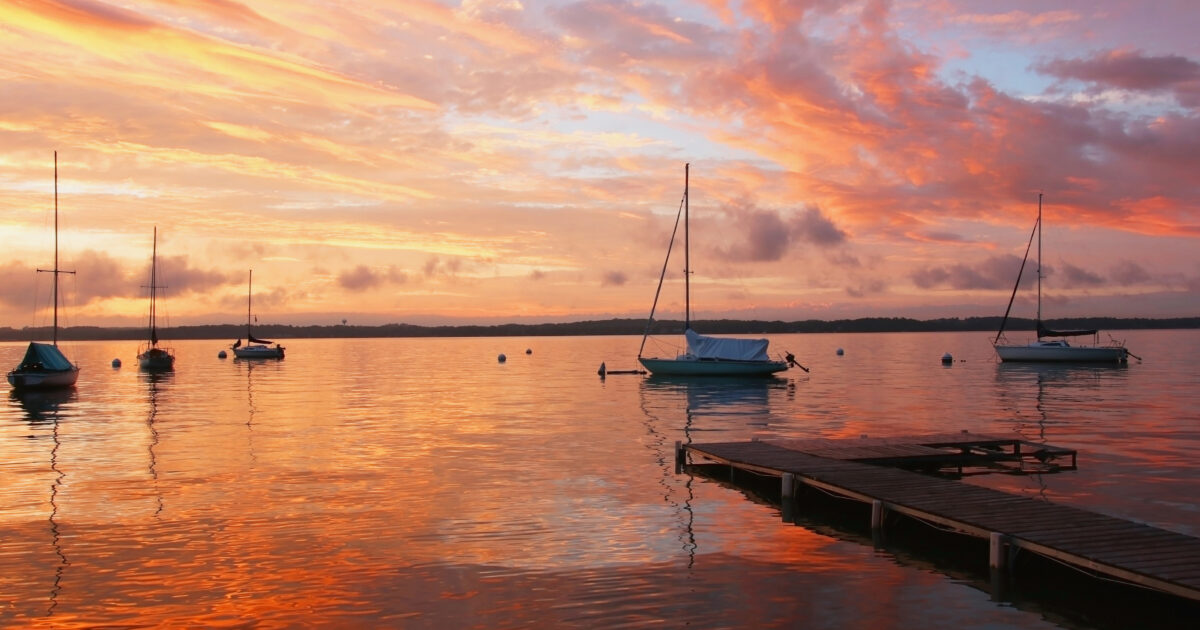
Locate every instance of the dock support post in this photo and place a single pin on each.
(680, 457)
(787, 493)
(877, 510)
(998, 564)
(998, 551)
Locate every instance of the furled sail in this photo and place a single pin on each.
(44, 356)
(704, 347)
(1042, 331)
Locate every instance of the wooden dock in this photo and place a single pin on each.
(941, 451)
(1133, 552)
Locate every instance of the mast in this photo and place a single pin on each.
(55, 333)
(249, 294)
(1039, 267)
(153, 287)
(55, 270)
(687, 265)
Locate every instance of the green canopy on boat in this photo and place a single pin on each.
(44, 356)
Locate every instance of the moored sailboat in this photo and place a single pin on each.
(706, 356)
(255, 348)
(151, 356)
(1051, 345)
(44, 366)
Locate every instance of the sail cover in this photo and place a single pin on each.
(704, 347)
(1042, 331)
(254, 339)
(44, 356)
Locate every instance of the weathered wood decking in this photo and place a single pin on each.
(1134, 552)
(938, 451)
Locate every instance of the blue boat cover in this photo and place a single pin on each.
(44, 356)
(704, 347)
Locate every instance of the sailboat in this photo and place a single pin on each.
(706, 356)
(150, 355)
(255, 348)
(1051, 345)
(44, 366)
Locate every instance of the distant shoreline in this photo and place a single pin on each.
(597, 328)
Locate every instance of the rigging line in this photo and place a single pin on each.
(1020, 273)
(658, 291)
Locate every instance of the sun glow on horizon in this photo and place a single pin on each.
(499, 159)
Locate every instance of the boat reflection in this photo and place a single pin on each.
(154, 380)
(47, 408)
(714, 400)
(709, 404)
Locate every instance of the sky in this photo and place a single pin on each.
(489, 161)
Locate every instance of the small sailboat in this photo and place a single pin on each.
(706, 356)
(1051, 345)
(44, 366)
(255, 348)
(151, 356)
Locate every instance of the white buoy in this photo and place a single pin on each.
(947, 359)
(841, 352)
(221, 354)
(502, 358)
(116, 363)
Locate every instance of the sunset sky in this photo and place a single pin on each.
(520, 161)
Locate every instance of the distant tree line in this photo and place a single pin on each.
(600, 327)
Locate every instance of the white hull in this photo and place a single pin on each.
(1060, 352)
(254, 351)
(711, 367)
(42, 379)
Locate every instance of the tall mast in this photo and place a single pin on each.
(249, 294)
(55, 270)
(1039, 264)
(153, 286)
(687, 265)
(54, 336)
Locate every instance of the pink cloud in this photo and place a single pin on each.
(1129, 70)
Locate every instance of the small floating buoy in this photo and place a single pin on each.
(947, 359)
(116, 363)
(840, 352)
(528, 350)
(221, 355)
(502, 358)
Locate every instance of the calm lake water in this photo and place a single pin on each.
(421, 483)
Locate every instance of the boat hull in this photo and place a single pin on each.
(258, 352)
(1048, 353)
(711, 367)
(42, 379)
(156, 360)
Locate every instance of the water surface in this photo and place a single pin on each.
(423, 483)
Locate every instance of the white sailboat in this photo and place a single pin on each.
(151, 356)
(255, 348)
(706, 356)
(1052, 345)
(44, 366)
